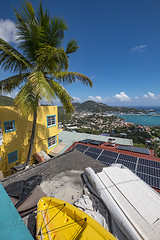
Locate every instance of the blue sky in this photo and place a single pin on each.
(119, 47)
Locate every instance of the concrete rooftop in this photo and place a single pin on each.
(70, 137)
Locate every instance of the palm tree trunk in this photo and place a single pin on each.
(32, 138)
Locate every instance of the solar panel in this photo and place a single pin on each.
(97, 142)
(86, 140)
(143, 161)
(128, 158)
(110, 154)
(141, 150)
(151, 180)
(147, 170)
(155, 164)
(144, 177)
(134, 149)
(146, 162)
(91, 154)
(127, 148)
(81, 147)
(107, 160)
(94, 150)
(155, 182)
(127, 164)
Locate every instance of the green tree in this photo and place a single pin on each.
(39, 63)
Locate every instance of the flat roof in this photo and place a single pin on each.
(71, 162)
(70, 137)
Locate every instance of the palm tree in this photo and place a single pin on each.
(41, 64)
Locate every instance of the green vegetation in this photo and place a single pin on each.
(40, 64)
(94, 107)
(6, 101)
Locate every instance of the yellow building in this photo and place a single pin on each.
(15, 134)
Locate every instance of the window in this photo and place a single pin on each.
(51, 121)
(52, 141)
(9, 126)
(12, 157)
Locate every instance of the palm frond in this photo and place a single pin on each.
(12, 82)
(26, 101)
(70, 77)
(53, 59)
(72, 46)
(63, 95)
(26, 12)
(56, 32)
(40, 86)
(11, 59)
(37, 29)
(53, 28)
(43, 17)
(24, 17)
(29, 33)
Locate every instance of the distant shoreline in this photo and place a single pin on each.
(141, 119)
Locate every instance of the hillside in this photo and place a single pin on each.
(101, 107)
(91, 106)
(6, 101)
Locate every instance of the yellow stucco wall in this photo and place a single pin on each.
(19, 139)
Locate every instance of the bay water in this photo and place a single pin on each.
(144, 120)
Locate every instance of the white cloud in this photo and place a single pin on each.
(139, 48)
(8, 30)
(136, 97)
(77, 99)
(150, 95)
(122, 97)
(145, 96)
(96, 99)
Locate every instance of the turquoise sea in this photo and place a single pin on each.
(145, 120)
